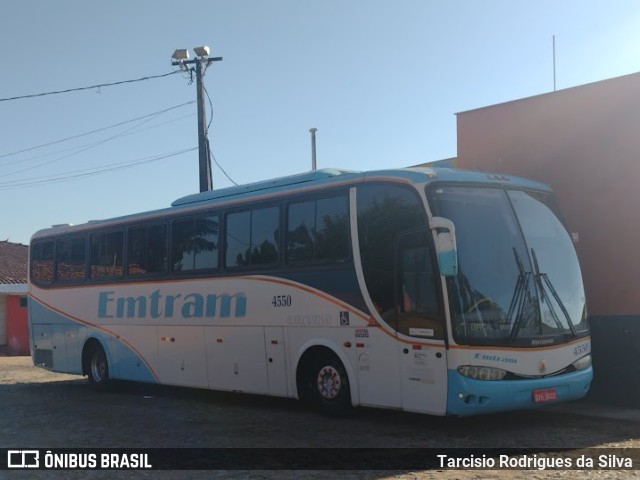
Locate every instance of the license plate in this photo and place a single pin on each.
(545, 395)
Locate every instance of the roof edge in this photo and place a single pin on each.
(531, 97)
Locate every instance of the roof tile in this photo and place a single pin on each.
(13, 262)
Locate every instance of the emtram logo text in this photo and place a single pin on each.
(157, 305)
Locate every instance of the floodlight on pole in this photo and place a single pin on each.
(180, 54)
(202, 51)
(202, 61)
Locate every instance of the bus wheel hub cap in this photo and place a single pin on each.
(329, 382)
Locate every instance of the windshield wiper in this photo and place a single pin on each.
(543, 279)
(519, 296)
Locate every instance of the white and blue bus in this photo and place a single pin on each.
(438, 291)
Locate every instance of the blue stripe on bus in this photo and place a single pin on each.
(128, 366)
(467, 396)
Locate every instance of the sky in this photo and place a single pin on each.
(380, 80)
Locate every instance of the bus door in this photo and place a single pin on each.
(420, 327)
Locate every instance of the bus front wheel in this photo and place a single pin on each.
(329, 386)
(98, 368)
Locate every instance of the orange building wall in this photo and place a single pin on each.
(585, 143)
(17, 327)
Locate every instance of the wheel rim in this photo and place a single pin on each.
(98, 367)
(329, 382)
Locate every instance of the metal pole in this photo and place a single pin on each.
(313, 148)
(203, 145)
(554, 63)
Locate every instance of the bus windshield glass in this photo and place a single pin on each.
(519, 281)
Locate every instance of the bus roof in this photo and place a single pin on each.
(313, 179)
(272, 184)
(329, 175)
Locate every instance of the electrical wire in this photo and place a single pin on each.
(90, 146)
(61, 177)
(211, 155)
(92, 87)
(116, 165)
(210, 107)
(74, 174)
(92, 132)
(77, 147)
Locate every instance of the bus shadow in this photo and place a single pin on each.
(568, 425)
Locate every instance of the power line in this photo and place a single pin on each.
(82, 148)
(90, 146)
(211, 155)
(220, 166)
(210, 108)
(92, 87)
(89, 171)
(93, 131)
(133, 131)
(74, 174)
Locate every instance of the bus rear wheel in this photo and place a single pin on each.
(329, 386)
(98, 368)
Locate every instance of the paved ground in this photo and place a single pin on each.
(597, 410)
(46, 410)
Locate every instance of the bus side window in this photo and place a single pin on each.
(194, 243)
(384, 210)
(253, 237)
(157, 249)
(418, 282)
(147, 250)
(419, 309)
(70, 258)
(265, 236)
(42, 262)
(318, 231)
(137, 241)
(238, 245)
(106, 254)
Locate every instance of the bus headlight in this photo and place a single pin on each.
(584, 362)
(482, 373)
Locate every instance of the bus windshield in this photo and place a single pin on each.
(519, 281)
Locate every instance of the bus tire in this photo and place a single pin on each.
(329, 386)
(98, 368)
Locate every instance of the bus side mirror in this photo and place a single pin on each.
(446, 247)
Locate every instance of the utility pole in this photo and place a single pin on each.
(201, 62)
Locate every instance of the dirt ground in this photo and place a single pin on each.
(40, 409)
